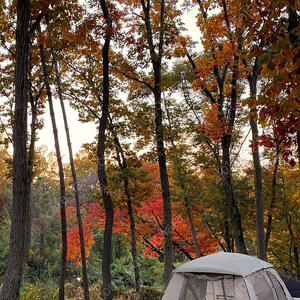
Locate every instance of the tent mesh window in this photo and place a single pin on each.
(203, 287)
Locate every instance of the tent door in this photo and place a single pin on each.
(202, 287)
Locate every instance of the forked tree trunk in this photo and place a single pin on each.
(20, 217)
(75, 183)
(63, 263)
(107, 290)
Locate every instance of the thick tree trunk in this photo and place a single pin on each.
(107, 291)
(233, 210)
(75, 184)
(20, 217)
(61, 182)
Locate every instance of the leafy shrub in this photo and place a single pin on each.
(150, 293)
(147, 293)
(38, 291)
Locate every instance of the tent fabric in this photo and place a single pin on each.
(226, 276)
(224, 263)
(292, 284)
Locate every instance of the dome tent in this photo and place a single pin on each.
(226, 276)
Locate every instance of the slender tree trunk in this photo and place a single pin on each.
(260, 234)
(294, 41)
(292, 239)
(156, 59)
(123, 166)
(75, 183)
(164, 179)
(61, 182)
(134, 251)
(107, 292)
(193, 231)
(273, 200)
(20, 217)
(296, 256)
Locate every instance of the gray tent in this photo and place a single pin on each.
(226, 276)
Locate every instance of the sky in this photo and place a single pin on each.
(80, 133)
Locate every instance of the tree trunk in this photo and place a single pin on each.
(292, 239)
(20, 217)
(107, 291)
(233, 210)
(193, 231)
(123, 166)
(156, 59)
(61, 182)
(164, 179)
(229, 240)
(260, 234)
(273, 200)
(134, 251)
(294, 41)
(75, 184)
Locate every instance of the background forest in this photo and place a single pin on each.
(196, 146)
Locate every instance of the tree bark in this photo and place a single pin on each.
(156, 59)
(73, 171)
(234, 214)
(273, 200)
(260, 234)
(63, 263)
(294, 41)
(193, 231)
(123, 166)
(20, 217)
(107, 291)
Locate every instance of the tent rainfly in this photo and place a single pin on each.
(226, 276)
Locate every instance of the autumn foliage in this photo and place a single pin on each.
(148, 217)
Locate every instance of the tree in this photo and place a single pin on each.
(155, 33)
(61, 179)
(20, 229)
(218, 72)
(73, 171)
(109, 209)
(260, 59)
